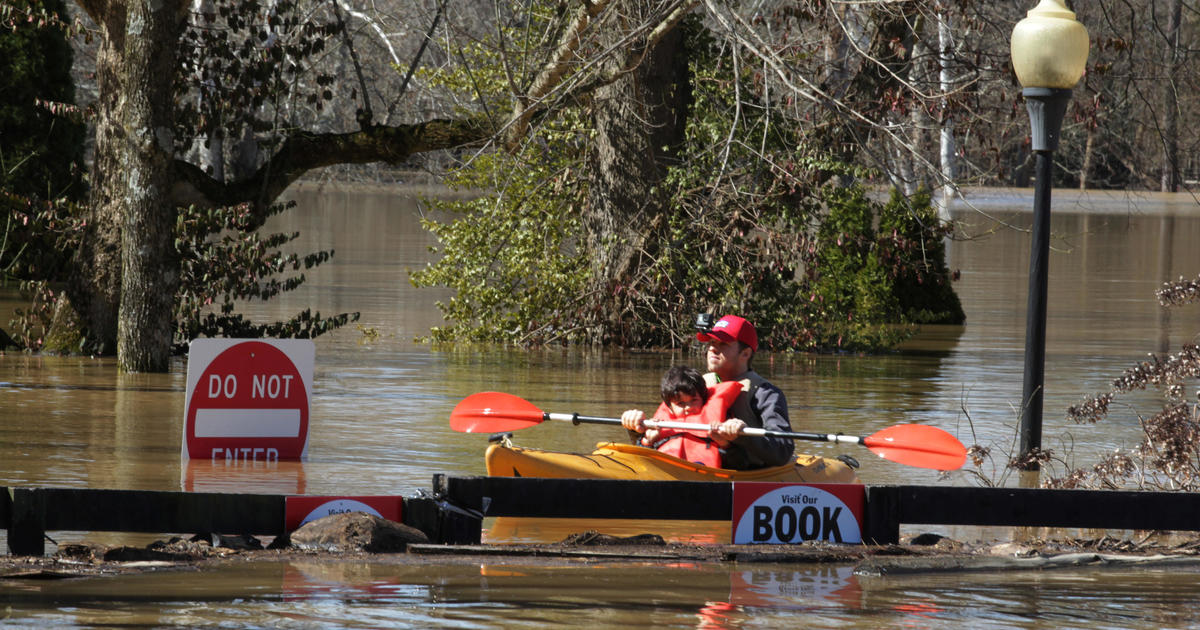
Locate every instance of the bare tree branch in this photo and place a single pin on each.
(551, 80)
(302, 152)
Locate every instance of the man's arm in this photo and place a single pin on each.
(772, 407)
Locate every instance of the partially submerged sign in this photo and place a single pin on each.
(248, 399)
(301, 510)
(790, 513)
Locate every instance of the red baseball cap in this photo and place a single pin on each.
(732, 328)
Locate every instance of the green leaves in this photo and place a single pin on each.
(223, 261)
(509, 254)
(41, 150)
(249, 64)
(752, 227)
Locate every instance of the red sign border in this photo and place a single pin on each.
(202, 352)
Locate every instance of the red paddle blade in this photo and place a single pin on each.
(494, 412)
(918, 445)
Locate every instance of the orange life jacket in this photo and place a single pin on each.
(693, 445)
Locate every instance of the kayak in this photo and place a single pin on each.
(611, 460)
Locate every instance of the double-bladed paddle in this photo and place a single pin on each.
(916, 445)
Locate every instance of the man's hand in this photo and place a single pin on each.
(634, 420)
(725, 432)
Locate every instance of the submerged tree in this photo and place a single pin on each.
(41, 153)
(200, 272)
(243, 73)
(125, 275)
(703, 220)
(854, 82)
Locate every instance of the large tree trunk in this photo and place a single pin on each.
(149, 263)
(639, 122)
(125, 273)
(95, 284)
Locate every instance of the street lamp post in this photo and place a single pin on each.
(1049, 53)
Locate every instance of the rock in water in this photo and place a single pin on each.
(356, 531)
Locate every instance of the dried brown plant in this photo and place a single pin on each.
(1168, 458)
(1179, 292)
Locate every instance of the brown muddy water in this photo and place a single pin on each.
(379, 426)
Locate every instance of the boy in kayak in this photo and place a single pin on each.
(687, 398)
(732, 342)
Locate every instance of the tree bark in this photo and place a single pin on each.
(149, 263)
(1089, 150)
(303, 151)
(918, 116)
(95, 282)
(639, 122)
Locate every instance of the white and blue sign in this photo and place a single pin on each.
(782, 513)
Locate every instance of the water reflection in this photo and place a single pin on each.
(400, 592)
(820, 586)
(511, 529)
(1085, 598)
(223, 476)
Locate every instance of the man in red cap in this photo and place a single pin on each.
(732, 342)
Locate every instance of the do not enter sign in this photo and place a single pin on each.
(248, 399)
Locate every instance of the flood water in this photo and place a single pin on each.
(379, 426)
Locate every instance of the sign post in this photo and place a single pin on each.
(248, 399)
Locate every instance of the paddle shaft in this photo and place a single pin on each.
(695, 426)
(917, 445)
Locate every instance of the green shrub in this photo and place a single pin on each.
(752, 228)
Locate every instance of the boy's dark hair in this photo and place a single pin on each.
(681, 379)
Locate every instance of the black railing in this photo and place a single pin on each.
(453, 513)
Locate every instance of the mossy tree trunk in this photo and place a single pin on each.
(149, 263)
(125, 274)
(95, 282)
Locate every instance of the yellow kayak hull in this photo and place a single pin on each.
(611, 460)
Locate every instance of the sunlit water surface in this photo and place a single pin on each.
(512, 594)
(379, 426)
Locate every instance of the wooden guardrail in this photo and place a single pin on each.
(34, 511)
(887, 507)
(28, 513)
(454, 512)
